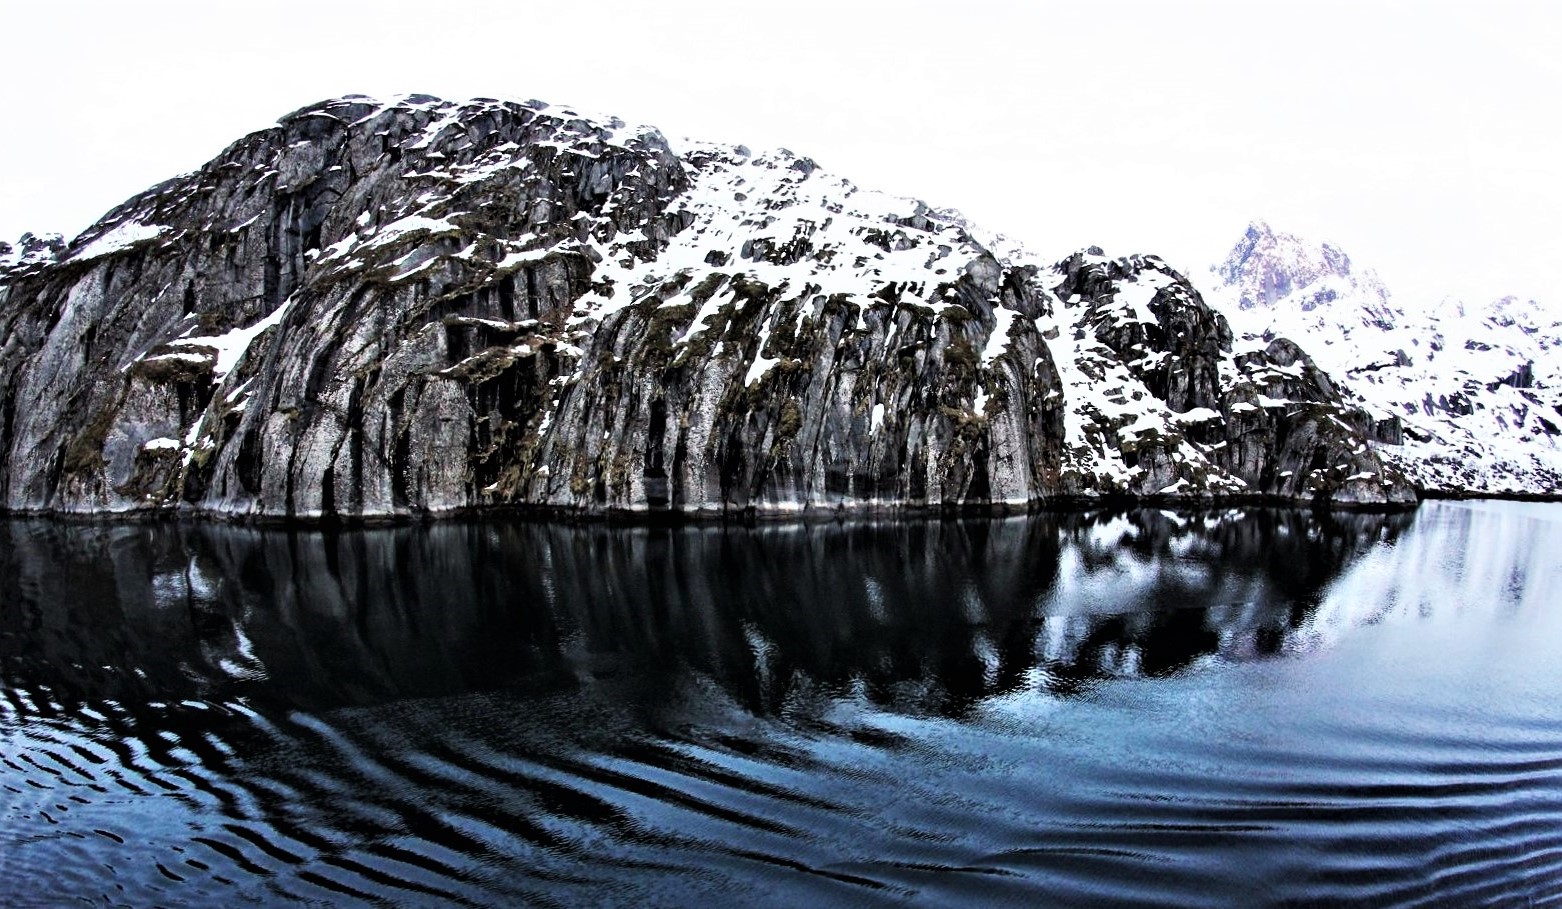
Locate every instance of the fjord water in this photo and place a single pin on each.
(1247, 707)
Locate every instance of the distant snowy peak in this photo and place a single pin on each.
(1478, 387)
(1266, 267)
(1530, 316)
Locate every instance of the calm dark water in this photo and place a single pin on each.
(1243, 708)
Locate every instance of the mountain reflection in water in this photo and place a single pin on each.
(1103, 708)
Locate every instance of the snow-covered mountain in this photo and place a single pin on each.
(418, 306)
(1477, 388)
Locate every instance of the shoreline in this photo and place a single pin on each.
(757, 515)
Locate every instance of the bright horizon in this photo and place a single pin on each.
(1416, 137)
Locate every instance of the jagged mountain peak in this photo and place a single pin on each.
(1269, 277)
(1260, 238)
(1268, 268)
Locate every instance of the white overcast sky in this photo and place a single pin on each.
(1423, 138)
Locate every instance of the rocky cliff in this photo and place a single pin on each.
(377, 309)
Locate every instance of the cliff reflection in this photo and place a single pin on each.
(920, 616)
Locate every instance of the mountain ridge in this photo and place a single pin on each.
(422, 307)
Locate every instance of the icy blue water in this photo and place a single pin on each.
(1243, 708)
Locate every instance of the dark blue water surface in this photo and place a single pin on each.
(1236, 708)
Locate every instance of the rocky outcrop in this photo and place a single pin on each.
(422, 307)
(1164, 406)
(30, 253)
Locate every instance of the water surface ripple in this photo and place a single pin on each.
(1245, 707)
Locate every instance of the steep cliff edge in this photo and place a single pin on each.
(420, 307)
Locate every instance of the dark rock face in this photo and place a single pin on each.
(424, 307)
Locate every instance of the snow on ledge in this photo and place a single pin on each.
(119, 239)
(231, 346)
